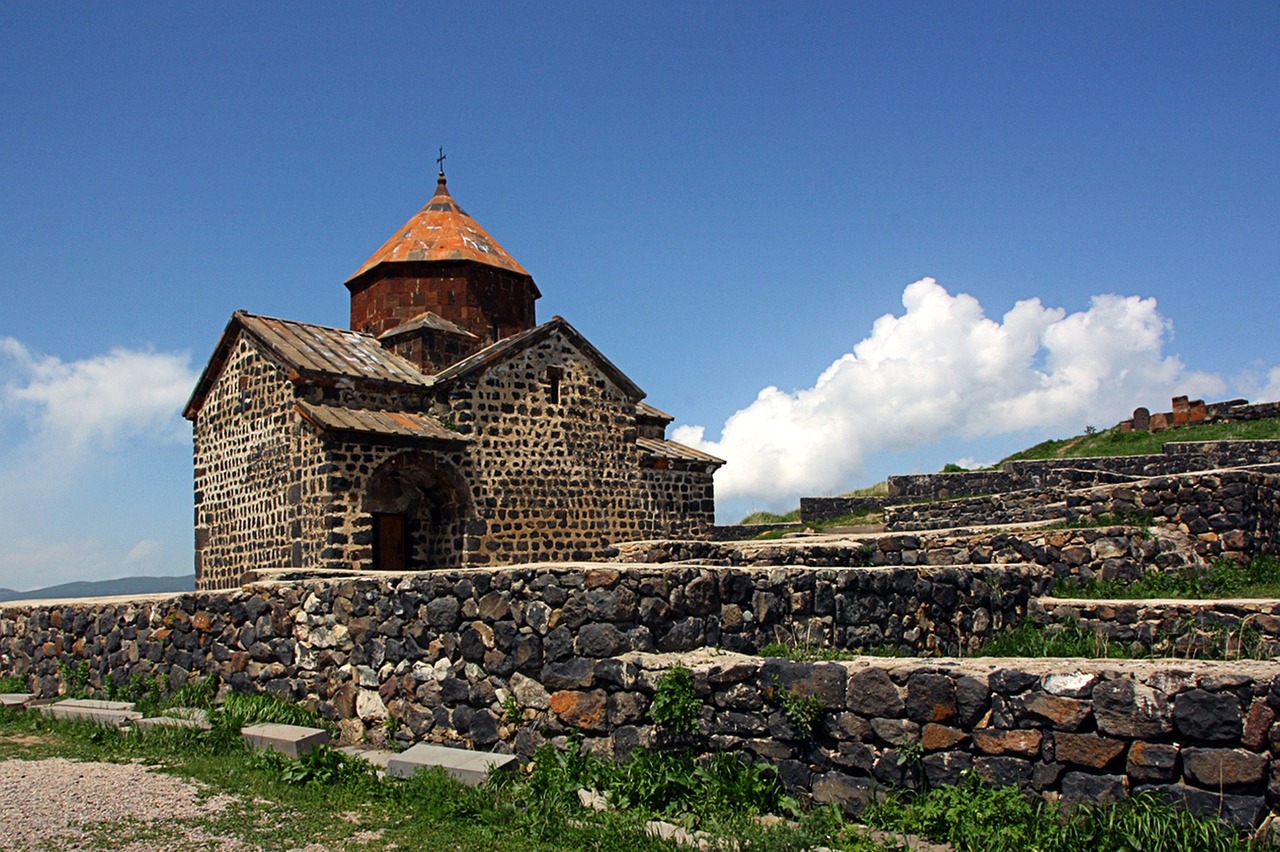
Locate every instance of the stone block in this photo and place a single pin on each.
(1083, 788)
(1207, 716)
(469, 767)
(1223, 767)
(872, 693)
(289, 740)
(1127, 708)
(103, 712)
(1086, 749)
(930, 698)
(996, 742)
(1152, 762)
(1239, 811)
(15, 699)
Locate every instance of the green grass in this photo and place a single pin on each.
(333, 801)
(792, 517)
(1113, 442)
(1225, 578)
(1037, 640)
(974, 817)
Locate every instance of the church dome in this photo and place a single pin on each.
(441, 231)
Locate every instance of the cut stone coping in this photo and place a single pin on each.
(1251, 604)
(15, 699)
(289, 740)
(469, 767)
(91, 601)
(706, 658)
(105, 712)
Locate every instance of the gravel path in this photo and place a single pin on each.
(45, 799)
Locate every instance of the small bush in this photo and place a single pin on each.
(676, 707)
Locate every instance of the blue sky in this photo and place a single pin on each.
(725, 198)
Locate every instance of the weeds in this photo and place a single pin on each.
(1035, 640)
(676, 707)
(1223, 578)
(13, 683)
(974, 816)
(802, 711)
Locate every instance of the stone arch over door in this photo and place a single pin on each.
(418, 507)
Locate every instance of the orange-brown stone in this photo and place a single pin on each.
(584, 710)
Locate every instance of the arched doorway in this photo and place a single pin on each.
(418, 507)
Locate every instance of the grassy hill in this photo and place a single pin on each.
(1113, 442)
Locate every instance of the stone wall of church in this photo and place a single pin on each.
(557, 473)
(680, 501)
(248, 458)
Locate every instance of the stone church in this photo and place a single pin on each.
(445, 428)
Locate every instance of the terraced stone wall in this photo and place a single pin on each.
(504, 660)
(1176, 458)
(1232, 513)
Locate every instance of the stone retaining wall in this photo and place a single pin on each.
(457, 656)
(1113, 552)
(1196, 733)
(1176, 458)
(1178, 628)
(1232, 513)
(826, 508)
(1011, 508)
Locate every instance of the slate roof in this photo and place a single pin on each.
(384, 424)
(648, 412)
(664, 449)
(442, 231)
(497, 352)
(310, 352)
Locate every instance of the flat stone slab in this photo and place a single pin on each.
(103, 712)
(15, 699)
(289, 740)
(378, 757)
(469, 767)
(170, 722)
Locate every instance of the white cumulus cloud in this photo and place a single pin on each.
(943, 369)
(95, 402)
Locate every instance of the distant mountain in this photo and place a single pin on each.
(105, 588)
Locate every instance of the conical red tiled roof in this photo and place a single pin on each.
(442, 231)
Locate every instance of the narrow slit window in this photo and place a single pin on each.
(554, 374)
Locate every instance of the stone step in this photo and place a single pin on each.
(104, 712)
(15, 699)
(469, 767)
(289, 740)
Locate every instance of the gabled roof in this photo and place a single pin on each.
(645, 411)
(310, 353)
(664, 449)
(442, 231)
(383, 424)
(430, 320)
(502, 350)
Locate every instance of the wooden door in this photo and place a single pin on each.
(390, 542)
